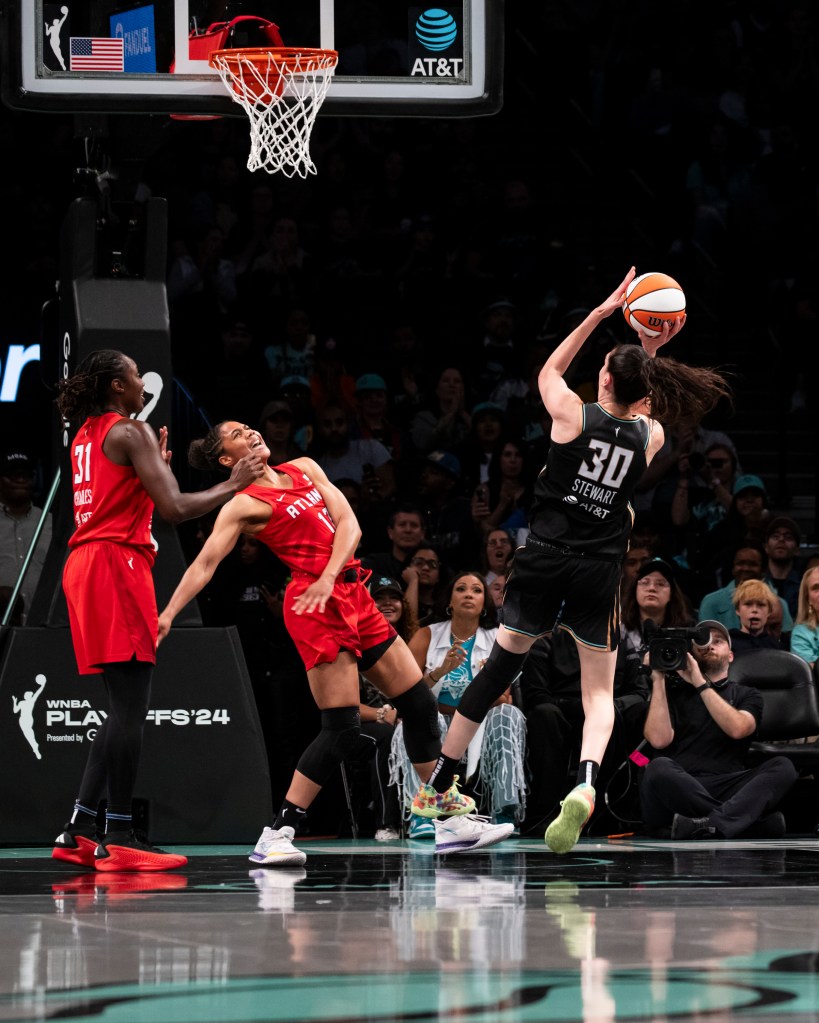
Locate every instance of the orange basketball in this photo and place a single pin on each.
(652, 299)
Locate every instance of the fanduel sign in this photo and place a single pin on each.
(16, 358)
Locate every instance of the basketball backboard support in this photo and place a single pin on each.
(394, 58)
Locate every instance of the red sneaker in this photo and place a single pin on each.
(128, 851)
(75, 845)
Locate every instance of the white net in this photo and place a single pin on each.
(281, 92)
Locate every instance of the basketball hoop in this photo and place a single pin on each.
(281, 90)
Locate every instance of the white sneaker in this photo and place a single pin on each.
(386, 835)
(276, 849)
(462, 834)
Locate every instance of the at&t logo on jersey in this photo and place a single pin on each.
(435, 42)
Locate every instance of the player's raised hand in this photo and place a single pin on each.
(163, 445)
(669, 329)
(615, 299)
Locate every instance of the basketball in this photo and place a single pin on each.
(652, 299)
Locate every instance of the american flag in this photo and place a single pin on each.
(96, 54)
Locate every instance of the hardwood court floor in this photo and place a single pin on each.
(615, 931)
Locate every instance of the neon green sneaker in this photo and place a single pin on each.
(575, 810)
(429, 803)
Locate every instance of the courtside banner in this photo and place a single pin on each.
(203, 770)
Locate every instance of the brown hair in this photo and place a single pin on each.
(675, 392)
(805, 615)
(677, 611)
(206, 452)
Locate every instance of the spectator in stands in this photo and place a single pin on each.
(449, 652)
(444, 423)
(655, 596)
(747, 563)
(782, 569)
(699, 787)
(498, 549)
(510, 487)
(754, 602)
(295, 390)
(295, 353)
(276, 426)
(19, 518)
(372, 420)
(483, 443)
(638, 553)
(406, 529)
(331, 382)
(366, 461)
(805, 635)
(427, 577)
(744, 524)
(497, 356)
(448, 513)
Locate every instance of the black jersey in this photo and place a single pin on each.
(582, 496)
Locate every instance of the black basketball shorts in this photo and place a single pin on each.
(547, 589)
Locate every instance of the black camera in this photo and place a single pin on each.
(668, 648)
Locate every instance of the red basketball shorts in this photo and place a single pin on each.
(111, 601)
(350, 621)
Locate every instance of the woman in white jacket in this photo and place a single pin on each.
(450, 653)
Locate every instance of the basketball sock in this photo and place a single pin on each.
(83, 816)
(116, 822)
(587, 772)
(443, 773)
(289, 816)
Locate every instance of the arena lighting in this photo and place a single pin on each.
(11, 368)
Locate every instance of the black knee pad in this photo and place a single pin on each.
(500, 671)
(338, 738)
(419, 714)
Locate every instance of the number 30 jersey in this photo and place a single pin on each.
(582, 496)
(110, 503)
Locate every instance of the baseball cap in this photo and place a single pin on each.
(487, 406)
(295, 381)
(656, 565)
(370, 382)
(748, 482)
(386, 583)
(274, 408)
(500, 303)
(14, 463)
(711, 623)
(783, 522)
(445, 461)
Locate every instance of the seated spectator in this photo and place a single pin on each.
(782, 571)
(482, 444)
(754, 601)
(718, 606)
(655, 596)
(805, 635)
(366, 461)
(744, 525)
(295, 390)
(19, 519)
(379, 718)
(638, 553)
(550, 691)
(498, 549)
(496, 588)
(276, 427)
(448, 513)
(331, 383)
(444, 423)
(449, 653)
(509, 491)
(406, 529)
(294, 354)
(703, 723)
(371, 418)
(427, 577)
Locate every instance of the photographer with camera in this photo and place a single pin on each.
(703, 723)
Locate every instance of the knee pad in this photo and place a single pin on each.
(338, 738)
(419, 714)
(500, 671)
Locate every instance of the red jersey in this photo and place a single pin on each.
(110, 503)
(300, 531)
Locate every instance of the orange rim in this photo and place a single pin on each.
(292, 58)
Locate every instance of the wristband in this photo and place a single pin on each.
(705, 685)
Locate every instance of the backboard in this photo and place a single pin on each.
(110, 56)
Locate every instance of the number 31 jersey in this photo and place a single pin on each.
(583, 495)
(110, 503)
